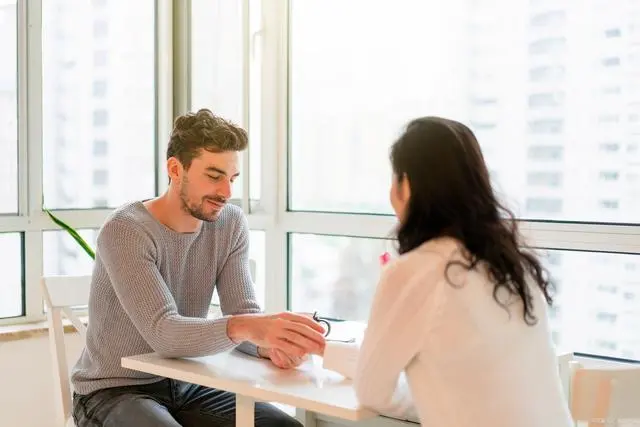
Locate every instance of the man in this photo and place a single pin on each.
(157, 264)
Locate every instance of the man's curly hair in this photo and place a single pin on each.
(204, 130)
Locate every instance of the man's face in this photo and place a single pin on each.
(206, 187)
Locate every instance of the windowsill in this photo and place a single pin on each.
(33, 330)
(24, 331)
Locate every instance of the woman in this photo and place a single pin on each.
(462, 310)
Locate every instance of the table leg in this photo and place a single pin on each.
(307, 418)
(245, 411)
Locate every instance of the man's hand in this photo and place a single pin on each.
(294, 335)
(280, 358)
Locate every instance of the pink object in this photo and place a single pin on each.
(385, 258)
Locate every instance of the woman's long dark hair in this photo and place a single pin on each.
(452, 196)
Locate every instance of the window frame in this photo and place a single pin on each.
(269, 214)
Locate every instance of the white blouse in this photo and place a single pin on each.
(468, 361)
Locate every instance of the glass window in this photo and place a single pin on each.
(8, 108)
(594, 299)
(545, 179)
(100, 147)
(12, 265)
(609, 176)
(335, 275)
(217, 62)
(76, 111)
(62, 255)
(344, 118)
(99, 88)
(612, 32)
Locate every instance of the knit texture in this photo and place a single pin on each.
(151, 290)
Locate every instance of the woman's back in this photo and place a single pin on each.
(474, 362)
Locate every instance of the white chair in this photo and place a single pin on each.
(564, 371)
(601, 397)
(61, 293)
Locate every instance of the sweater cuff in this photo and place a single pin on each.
(341, 357)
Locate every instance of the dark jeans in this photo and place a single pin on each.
(168, 403)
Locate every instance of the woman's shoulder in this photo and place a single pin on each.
(430, 258)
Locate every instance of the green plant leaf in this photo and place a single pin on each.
(73, 234)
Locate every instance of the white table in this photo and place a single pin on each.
(307, 387)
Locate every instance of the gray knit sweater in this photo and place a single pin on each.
(151, 290)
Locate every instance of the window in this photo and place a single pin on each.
(62, 255)
(335, 275)
(100, 147)
(612, 33)
(546, 126)
(611, 62)
(100, 29)
(546, 100)
(543, 206)
(609, 176)
(100, 177)
(100, 118)
(551, 18)
(217, 73)
(8, 109)
(99, 88)
(606, 345)
(369, 115)
(608, 118)
(611, 90)
(11, 263)
(610, 147)
(609, 204)
(547, 46)
(607, 289)
(546, 73)
(542, 152)
(545, 179)
(126, 123)
(606, 317)
(100, 58)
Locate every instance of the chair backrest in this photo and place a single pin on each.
(564, 372)
(61, 293)
(602, 396)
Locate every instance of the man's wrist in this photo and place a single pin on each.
(238, 328)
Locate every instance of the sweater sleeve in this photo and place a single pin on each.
(234, 283)
(129, 257)
(400, 319)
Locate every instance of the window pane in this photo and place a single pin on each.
(8, 108)
(256, 253)
(335, 275)
(62, 255)
(550, 100)
(216, 62)
(596, 301)
(98, 102)
(596, 309)
(11, 264)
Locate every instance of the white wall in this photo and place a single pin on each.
(26, 381)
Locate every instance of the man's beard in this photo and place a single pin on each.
(197, 211)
